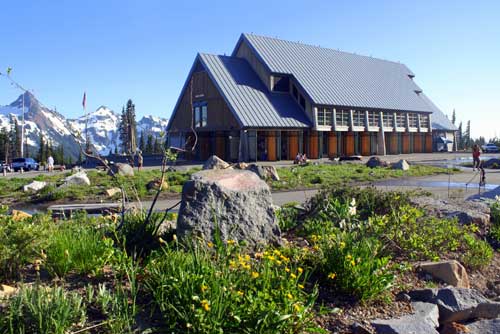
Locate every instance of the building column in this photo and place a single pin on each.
(381, 147)
(407, 122)
(243, 147)
(351, 120)
(367, 122)
(334, 120)
(315, 117)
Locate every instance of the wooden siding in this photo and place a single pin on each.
(220, 145)
(271, 146)
(349, 144)
(417, 143)
(332, 144)
(245, 52)
(428, 143)
(219, 115)
(313, 145)
(365, 144)
(293, 144)
(406, 143)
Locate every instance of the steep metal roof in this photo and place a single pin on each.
(438, 119)
(332, 77)
(248, 98)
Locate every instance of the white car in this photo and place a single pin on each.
(490, 148)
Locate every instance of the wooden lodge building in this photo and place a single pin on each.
(272, 98)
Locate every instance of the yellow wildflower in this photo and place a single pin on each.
(342, 245)
(204, 288)
(287, 270)
(296, 307)
(255, 274)
(293, 276)
(205, 305)
(289, 296)
(210, 244)
(231, 242)
(301, 286)
(240, 293)
(353, 263)
(163, 242)
(174, 237)
(258, 255)
(300, 270)
(332, 275)
(271, 258)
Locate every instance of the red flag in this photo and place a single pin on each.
(84, 102)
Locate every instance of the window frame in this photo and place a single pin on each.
(200, 114)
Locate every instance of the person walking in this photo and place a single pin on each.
(50, 163)
(476, 161)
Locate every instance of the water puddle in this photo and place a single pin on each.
(433, 184)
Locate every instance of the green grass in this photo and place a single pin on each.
(313, 176)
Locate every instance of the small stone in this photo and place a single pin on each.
(401, 165)
(121, 169)
(18, 215)
(450, 272)
(113, 191)
(79, 179)
(35, 186)
(375, 162)
(214, 162)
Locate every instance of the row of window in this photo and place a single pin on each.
(325, 117)
(200, 116)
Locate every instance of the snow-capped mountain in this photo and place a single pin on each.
(102, 126)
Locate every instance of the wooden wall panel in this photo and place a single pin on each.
(394, 145)
(417, 143)
(406, 143)
(428, 142)
(332, 144)
(365, 144)
(220, 145)
(313, 145)
(271, 146)
(204, 142)
(293, 144)
(349, 144)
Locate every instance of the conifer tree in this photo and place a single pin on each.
(453, 117)
(149, 145)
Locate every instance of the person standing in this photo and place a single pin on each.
(476, 161)
(140, 161)
(50, 163)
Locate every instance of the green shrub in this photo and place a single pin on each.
(355, 264)
(42, 310)
(79, 248)
(200, 291)
(21, 242)
(287, 216)
(478, 253)
(495, 222)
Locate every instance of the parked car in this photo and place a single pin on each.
(24, 163)
(490, 148)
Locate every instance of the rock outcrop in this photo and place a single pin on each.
(214, 162)
(450, 272)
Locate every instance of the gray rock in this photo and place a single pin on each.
(358, 328)
(79, 179)
(489, 310)
(259, 170)
(424, 320)
(484, 327)
(272, 173)
(238, 202)
(466, 212)
(214, 162)
(401, 165)
(375, 162)
(35, 186)
(113, 191)
(122, 169)
(455, 304)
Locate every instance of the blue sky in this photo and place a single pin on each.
(120, 49)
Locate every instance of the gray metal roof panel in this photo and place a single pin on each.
(438, 119)
(248, 98)
(332, 77)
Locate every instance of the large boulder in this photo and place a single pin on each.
(259, 170)
(451, 272)
(469, 212)
(237, 203)
(121, 169)
(425, 320)
(214, 162)
(401, 165)
(375, 162)
(457, 304)
(79, 179)
(484, 327)
(34, 186)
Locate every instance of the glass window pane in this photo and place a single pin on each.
(204, 117)
(197, 116)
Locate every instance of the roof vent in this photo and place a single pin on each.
(418, 91)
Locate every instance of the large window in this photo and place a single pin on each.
(373, 118)
(400, 120)
(358, 118)
(413, 120)
(388, 120)
(200, 116)
(342, 117)
(424, 121)
(325, 116)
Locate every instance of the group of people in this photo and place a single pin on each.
(300, 159)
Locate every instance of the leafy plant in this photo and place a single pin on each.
(42, 310)
(478, 253)
(77, 247)
(199, 290)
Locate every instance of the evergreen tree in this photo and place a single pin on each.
(132, 126)
(467, 136)
(142, 142)
(453, 117)
(123, 131)
(149, 145)
(42, 154)
(460, 140)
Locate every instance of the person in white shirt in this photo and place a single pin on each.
(50, 163)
